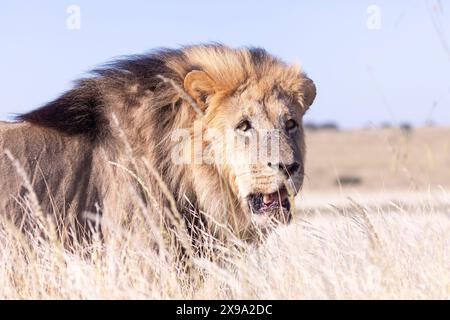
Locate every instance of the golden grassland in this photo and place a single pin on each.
(384, 159)
(384, 233)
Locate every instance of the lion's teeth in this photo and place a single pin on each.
(268, 198)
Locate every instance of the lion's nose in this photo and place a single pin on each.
(289, 169)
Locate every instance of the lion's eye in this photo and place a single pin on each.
(244, 125)
(291, 125)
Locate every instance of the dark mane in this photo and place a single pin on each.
(81, 110)
(78, 111)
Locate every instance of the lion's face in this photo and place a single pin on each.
(256, 144)
(262, 148)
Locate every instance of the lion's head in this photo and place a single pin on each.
(252, 133)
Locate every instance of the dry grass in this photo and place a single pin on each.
(372, 245)
(387, 250)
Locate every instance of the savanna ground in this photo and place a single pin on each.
(373, 221)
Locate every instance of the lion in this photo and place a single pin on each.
(69, 154)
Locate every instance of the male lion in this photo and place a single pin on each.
(74, 151)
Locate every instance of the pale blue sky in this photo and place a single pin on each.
(394, 74)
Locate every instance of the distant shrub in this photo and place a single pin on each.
(310, 126)
(329, 126)
(386, 125)
(324, 126)
(406, 127)
(348, 180)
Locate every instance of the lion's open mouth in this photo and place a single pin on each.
(261, 203)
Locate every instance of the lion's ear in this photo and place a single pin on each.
(309, 91)
(199, 85)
